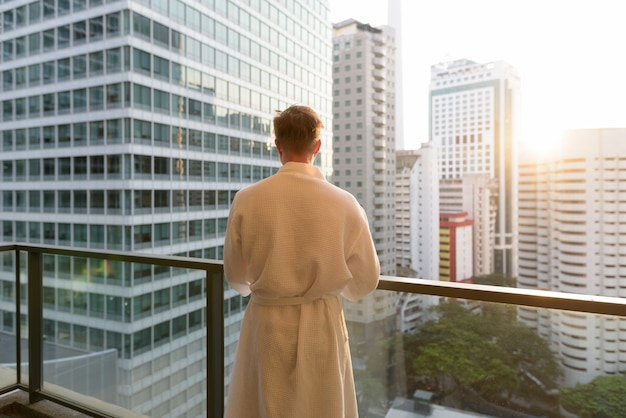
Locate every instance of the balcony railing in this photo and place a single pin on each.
(31, 270)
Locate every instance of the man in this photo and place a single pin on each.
(296, 242)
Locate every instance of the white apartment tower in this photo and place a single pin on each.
(572, 226)
(364, 155)
(417, 213)
(130, 125)
(474, 123)
(417, 229)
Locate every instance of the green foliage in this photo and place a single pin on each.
(603, 397)
(485, 350)
(368, 387)
(495, 279)
(469, 360)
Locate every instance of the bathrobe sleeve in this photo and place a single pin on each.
(362, 261)
(235, 265)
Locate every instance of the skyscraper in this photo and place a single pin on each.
(364, 161)
(417, 213)
(476, 194)
(474, 123)
(417, 229)
(456, 250)
(571, 231)
(130, 126)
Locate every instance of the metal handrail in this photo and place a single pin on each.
(215, 317)
(603, 305)
(215, 313)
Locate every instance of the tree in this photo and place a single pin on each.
(603, 397)
(469, 360)
(486, 350)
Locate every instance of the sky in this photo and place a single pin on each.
(569, 54)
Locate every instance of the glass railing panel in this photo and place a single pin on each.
(439, 356)
(127, 334)
(8, 319)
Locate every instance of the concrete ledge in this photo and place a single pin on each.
(15, 404)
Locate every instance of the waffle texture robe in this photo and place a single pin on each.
(297, 243)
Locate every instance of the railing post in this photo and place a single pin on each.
(35, 325)
(215, 345)
(18, 319)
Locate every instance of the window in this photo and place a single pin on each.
(142, 132)
(79, 66)
(142, 97)
(161, 101)
(63, 36)
(161, 34)
(49, 104)
(48, 40)
(161, 68)
(20, 47)
(34, 43)
(80, 5)
(95, 28)
(96, 98)
(96, 63)
(34, 169)
(80, 206)
(141, 61)
(96, 171)
(63, 69)
(113, 24)
(114, 60)
(114, 96)
(64, 102)
(65, 168)
(49, 72)
(80, 100)
(114, 166)
(49, 168)
(64, 206)
(141, 26)
(34, 12)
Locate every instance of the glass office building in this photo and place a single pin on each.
(130, 125)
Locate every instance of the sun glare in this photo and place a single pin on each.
(541, 138)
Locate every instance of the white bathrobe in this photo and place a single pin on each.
(297, 243)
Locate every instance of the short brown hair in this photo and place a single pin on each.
(297, 129)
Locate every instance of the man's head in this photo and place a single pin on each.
(297, 130)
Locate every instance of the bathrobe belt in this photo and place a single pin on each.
(294, 300)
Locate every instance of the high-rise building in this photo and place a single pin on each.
(571, 228)
(475, 194)
(474, 123)
(394, 19)
(364, 159)
(417, 229)
(417, 213)
(130, 125)
(455, 248)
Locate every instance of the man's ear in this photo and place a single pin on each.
(318, 145)
(280, 151)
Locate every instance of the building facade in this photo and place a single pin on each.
(130, 125)
(364, 162)
(455, 248)
(417, 231)
(476, 194)
(474, 123)
(571, 231)
(417, 213)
